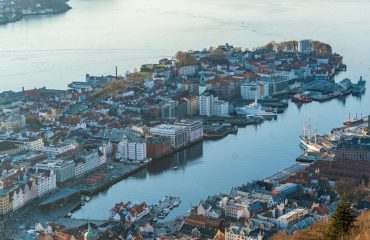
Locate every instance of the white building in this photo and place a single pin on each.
(220, 108)
(251, 91)
(178, 134)
(212, 106)
(131, 149)
(291, 217)
(46, 183)
(53, 151)
(206, 104)
(187, 70)
(88, 162)
(36, 144)
(194, 129)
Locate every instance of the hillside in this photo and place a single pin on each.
(318, 230)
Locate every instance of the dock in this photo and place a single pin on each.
(163, 204)
(114, 175)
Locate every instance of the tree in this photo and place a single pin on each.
(342, 221)
(184, 59)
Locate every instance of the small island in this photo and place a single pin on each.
(15, 10)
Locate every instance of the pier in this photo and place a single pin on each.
(162, 205)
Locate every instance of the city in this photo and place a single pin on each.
(110, 129)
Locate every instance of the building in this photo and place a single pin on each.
(194, 129)
(354, 149)
(87, 162)
(46, 183)
(138, 212)
(177, 134)
(240, 232)
(131, 148)
(220, 108)
(158, 146)
(32, 144)
(212, 106)
(5, 203)
(251, 91)
(63, 169)
(235, 210)
(55, 151)
(202, 85)
(287, 189)
(170, 110)
(304, 46)
(291, 217)
(187, 70)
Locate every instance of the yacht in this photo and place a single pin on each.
(256, 110)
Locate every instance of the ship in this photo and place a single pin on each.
(301, 98)
(346, 86)
(353, 121)
(255, 109)
(359, 88)
(308, 141)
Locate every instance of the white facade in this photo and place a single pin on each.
(187, 70)
(53, 151)
(131, 150)
(220, 108)
(251, 91)
(206, 105)
(194, 129)
(46, 184)
(178, 134)
(34, 145)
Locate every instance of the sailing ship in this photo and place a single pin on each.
(309, 140)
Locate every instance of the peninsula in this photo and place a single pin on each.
(15, 10)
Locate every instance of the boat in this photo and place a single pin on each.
(155, 219)
(301, 98)
(176, 203)
(175, 167)
(308, 141)
(359, 88)
(82, 203)
(87, 199)
(166, 211)
(352, 121)
(256, 110)
(161, 216)
(69, 214)
(346, 86)
(171, 207)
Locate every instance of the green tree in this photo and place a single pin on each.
(342, 221)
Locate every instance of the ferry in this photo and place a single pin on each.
(256, 110)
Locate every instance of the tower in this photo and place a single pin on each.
(89, 235)
(202, 84)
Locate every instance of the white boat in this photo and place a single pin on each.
(309, 141)
(166, 211)
(87, 199)
(175, 167)
(176, 203)
(255, 109)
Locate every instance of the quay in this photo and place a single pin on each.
(115, 175)
(162, 205)
(284, 174)
(73, 222)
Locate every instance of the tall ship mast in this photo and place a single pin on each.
(308, 141)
